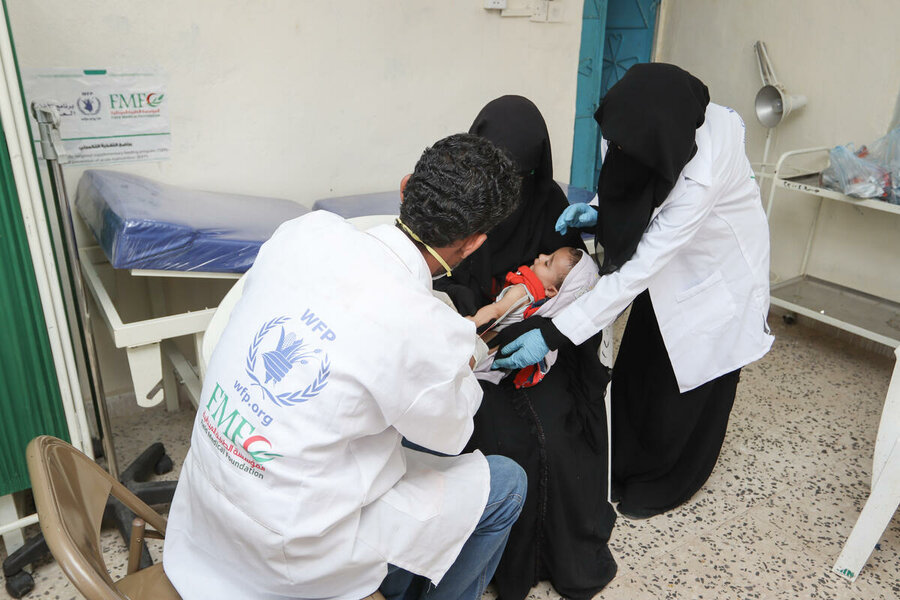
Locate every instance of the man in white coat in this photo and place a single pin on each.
(296, 484)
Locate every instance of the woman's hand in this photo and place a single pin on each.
(576, 215)
(527, 349)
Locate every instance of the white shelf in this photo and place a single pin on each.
(808, 184)
(868, 316)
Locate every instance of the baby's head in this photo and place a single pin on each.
(552, 269)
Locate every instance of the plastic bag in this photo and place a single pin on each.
(886, 153)
(856, 176)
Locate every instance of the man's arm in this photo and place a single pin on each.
(441, 416)
(432, 387)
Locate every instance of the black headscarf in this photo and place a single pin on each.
(650, 118)
(514, 124)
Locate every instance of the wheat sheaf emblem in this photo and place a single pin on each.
(289, 352)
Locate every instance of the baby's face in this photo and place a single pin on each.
(551, 269)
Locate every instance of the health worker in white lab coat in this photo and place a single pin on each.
(296, 484)
(686, 243)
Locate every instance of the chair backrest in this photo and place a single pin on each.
(71, 492)
(223, 312)
(218, 322)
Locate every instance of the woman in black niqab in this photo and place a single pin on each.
(650, 118)
(665, 443)
(514, 124)
(555, 430)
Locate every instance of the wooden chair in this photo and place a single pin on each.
(71, 493)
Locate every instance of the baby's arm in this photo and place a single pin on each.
(496, 310)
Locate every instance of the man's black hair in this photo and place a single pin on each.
(463, 184)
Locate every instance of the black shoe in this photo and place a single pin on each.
(637, 514)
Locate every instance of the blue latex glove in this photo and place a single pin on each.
(576, 215)
(527, 349)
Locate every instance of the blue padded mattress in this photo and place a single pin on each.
(143, 224)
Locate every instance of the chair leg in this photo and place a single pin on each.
(151, 492)
(135, 545)
(152, 460)
(119, 515)
(874, 518)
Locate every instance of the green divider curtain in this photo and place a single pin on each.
(29, 392)
(30, 402)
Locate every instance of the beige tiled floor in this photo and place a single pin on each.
(791, 480)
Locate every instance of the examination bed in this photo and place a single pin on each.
(155, 230)
(142, 224)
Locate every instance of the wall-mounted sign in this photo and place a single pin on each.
(106, 116)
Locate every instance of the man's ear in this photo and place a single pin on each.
(472, 243)
(550, 291)
(403, 184)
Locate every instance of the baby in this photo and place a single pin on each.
(526, 291)
(551, 283)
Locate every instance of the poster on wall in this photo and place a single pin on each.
(106, 116)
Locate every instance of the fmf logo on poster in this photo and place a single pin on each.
(136, 100)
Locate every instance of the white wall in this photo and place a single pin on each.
(844, 55)
(300, 99)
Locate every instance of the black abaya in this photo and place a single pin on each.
(555, 430)
(665, 443)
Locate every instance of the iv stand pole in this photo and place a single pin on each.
(51, 149)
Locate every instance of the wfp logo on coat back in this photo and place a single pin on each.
(286, 368)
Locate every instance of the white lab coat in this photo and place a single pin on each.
(705, 260)
(296, 485)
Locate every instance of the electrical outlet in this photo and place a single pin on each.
(494, 4)
(541, 8)
(518, 8)
(557, 12)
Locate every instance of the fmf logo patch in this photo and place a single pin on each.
(234, 436)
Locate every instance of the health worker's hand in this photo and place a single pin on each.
(527, 349)
(576, 215)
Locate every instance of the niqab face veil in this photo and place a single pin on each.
(514, 124)
(650, 118)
